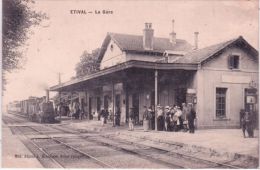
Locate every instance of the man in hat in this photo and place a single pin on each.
(152, 117)
(191, 117)
(184, 122)
(160, 119)
(167, 118)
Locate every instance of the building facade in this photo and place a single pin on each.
(137, 71)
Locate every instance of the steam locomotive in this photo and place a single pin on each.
(36, 109)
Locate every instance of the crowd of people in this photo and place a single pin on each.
(73, 109)
(168, 118)
(175, 118)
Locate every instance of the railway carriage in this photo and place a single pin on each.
(35, 109)
(14, 106)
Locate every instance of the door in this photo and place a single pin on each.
(135, 101)
(106, 99)
(82, 102)
(250, 104)
(98, 104)
(180, 95)
(98, 107)
(117, 109)
(90, 108)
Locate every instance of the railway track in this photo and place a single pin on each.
(18, 114)
(187, 160)
(173, 159)
(99, 157)
(101, 151)
(9, 120)
(58, 152)
(161, 156)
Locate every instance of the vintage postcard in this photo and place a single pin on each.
(130, 84)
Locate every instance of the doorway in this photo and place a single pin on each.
(106, 99)
(251, 104)
(180, 96)
(135, 101)
(98, 107)
(117, 110)
(250, 100)
(90, 108)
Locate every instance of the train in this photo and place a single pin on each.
(36, 109)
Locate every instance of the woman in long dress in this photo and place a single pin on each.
(160, 119)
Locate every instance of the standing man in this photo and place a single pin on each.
(185, 111)
(77, 109)
(250, 125)
(167, 118)
(152, 117)
(191, 117)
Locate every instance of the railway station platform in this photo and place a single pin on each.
(228, 142)
(14, 153)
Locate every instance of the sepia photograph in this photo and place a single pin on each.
(127, 84)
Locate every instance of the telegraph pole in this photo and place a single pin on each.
(156, 96)
(59, 81)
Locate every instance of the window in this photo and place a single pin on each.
(221, 102)
(233, 62)
(111, 47)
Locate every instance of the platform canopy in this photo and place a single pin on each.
(121, 67)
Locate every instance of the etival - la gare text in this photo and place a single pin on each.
(84, 12)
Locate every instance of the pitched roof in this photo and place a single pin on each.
(201, 55)
(134, 43)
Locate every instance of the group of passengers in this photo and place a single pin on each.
(168, 118)
(72, 109)
(104, 116)
(176, 118)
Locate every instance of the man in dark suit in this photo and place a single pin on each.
(191, 117)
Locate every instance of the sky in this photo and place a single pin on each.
(56, 44)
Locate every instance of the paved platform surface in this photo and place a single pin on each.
(12, 149)
(220, 140)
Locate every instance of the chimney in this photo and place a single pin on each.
(173, 34)
(196, 46)
(148, 37)
(47, 95)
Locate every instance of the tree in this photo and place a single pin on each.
(18, 18)
(88, 63)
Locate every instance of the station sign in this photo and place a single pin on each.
(250, 99)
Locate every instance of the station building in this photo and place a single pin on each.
(144, 70)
